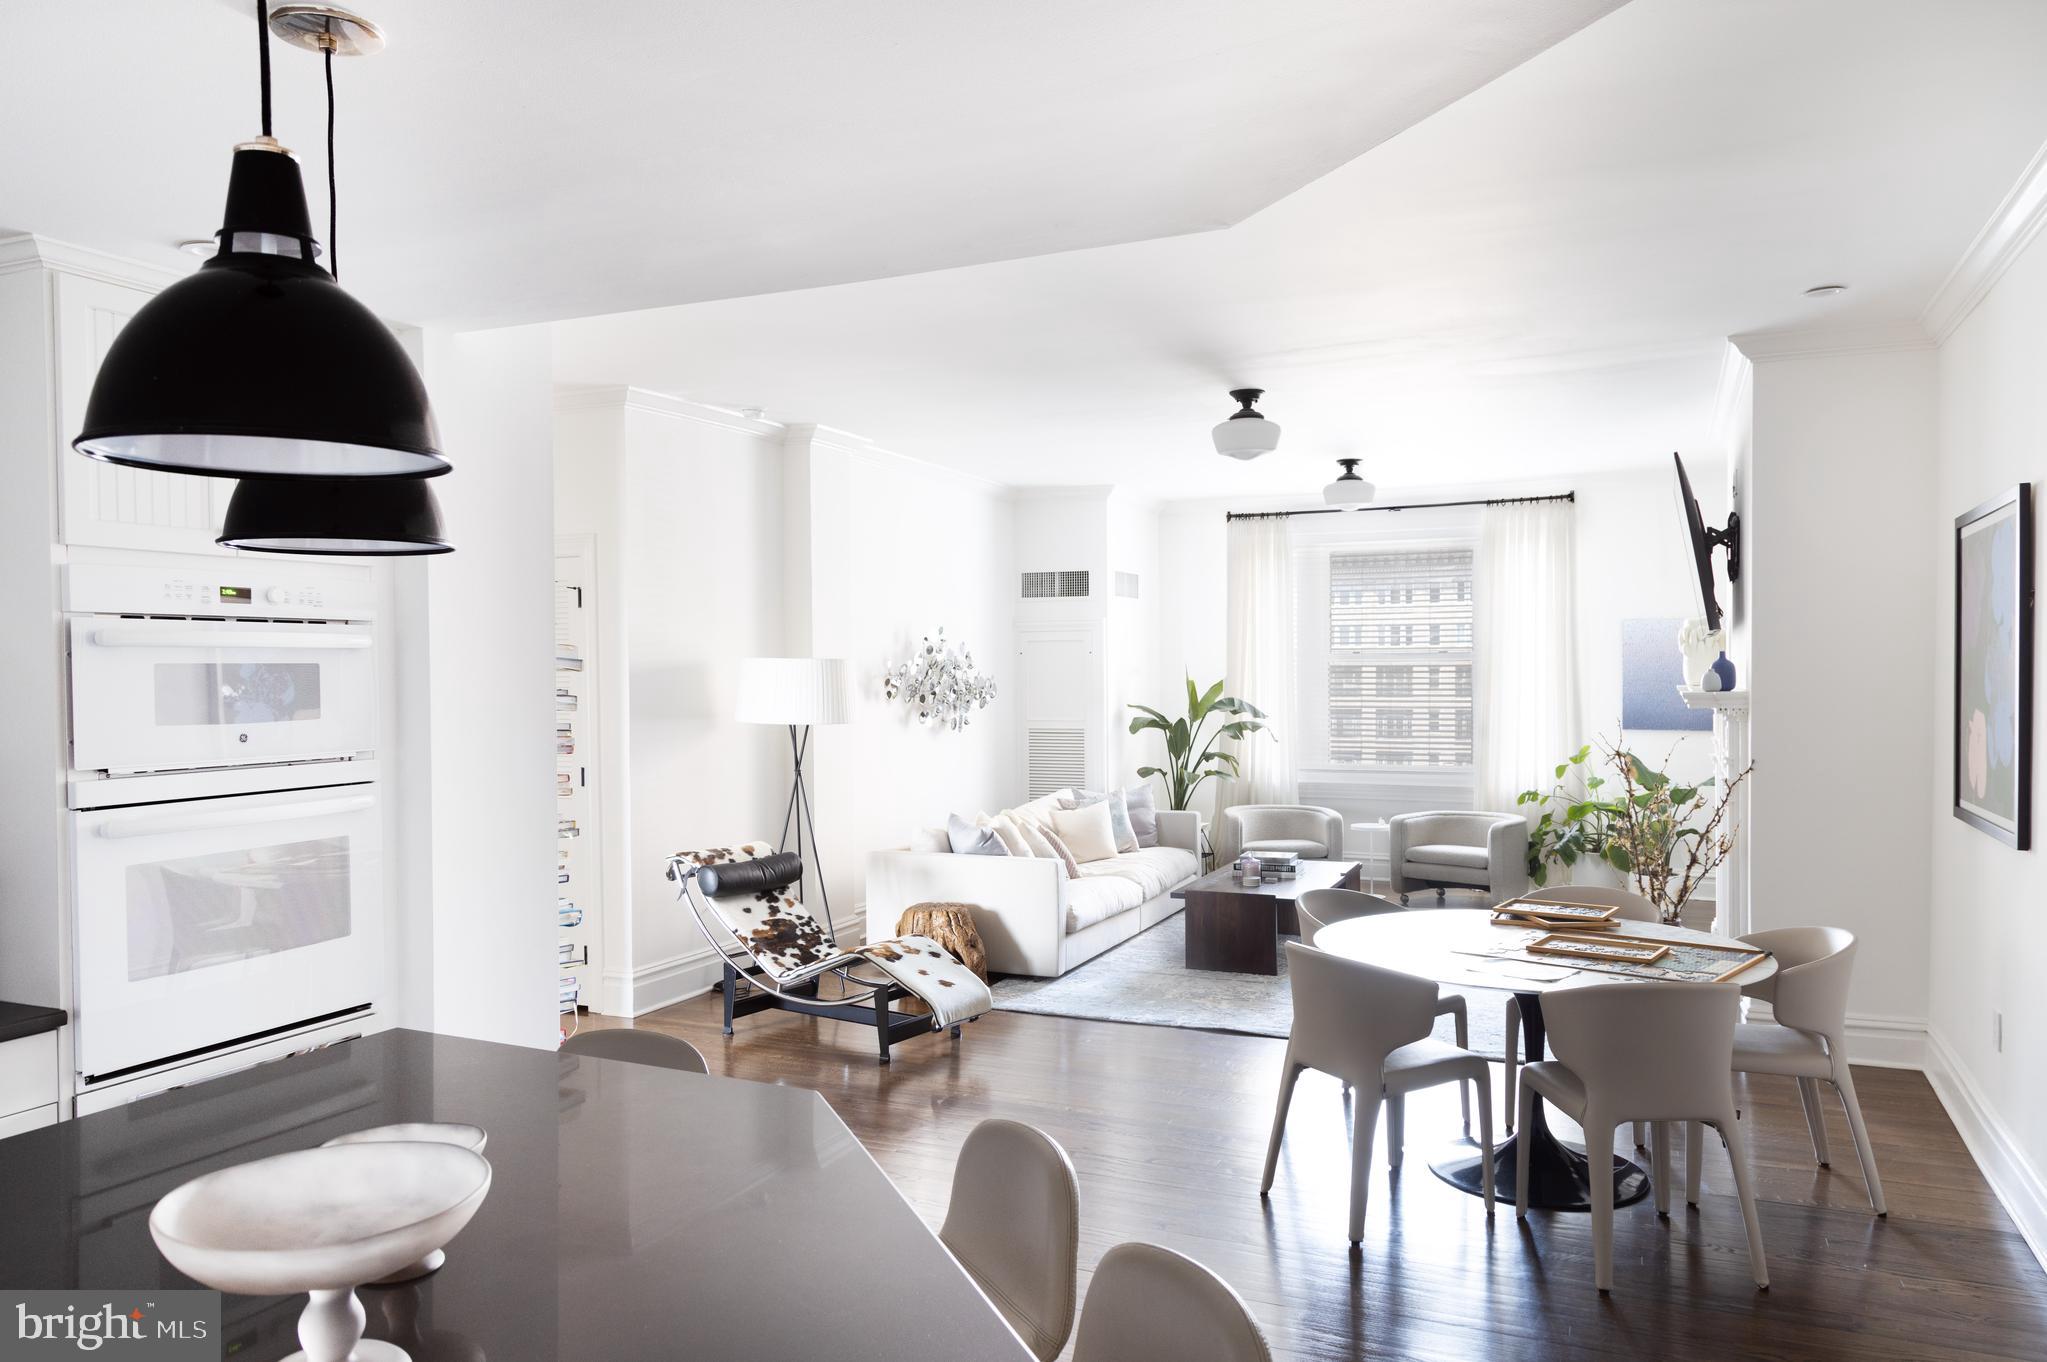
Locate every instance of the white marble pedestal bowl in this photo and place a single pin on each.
(322, 1221)
(467, 1137)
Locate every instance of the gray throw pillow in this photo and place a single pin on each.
(1119, 815)
(971, 839)
(1142, 803)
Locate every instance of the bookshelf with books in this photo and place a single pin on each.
(578, 921)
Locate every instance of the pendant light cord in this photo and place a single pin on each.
(333, 211)
(263, 57)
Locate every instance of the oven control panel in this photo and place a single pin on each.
(240, 589)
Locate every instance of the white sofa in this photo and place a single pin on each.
(1031, 917)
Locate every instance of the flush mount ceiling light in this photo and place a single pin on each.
(370, 517)
(1825, 290)
(259, 364)
(1246, 434)
(1349, 489)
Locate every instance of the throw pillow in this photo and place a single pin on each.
(1142, 802)
(968, 839)
(1034, 839)
(1059, 849)
(930, 839)
(1088, 831)
(1119, 814)
(1011, 835)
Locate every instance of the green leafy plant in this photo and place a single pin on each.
(1191, 757)
(1573, 820)
(1668, 836)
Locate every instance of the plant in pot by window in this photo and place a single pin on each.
(1192, 758)
(1572, 822)
(1668, 836)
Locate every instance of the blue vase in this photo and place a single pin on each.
(1719, 676)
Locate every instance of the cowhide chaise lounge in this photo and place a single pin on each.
(741, 900)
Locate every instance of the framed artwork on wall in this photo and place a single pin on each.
(1652, 669)
(1994, 667)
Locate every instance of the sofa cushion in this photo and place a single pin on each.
(930, 839)
(1012, 836)
(1097, 898)
(1299, 846)
(1119, 814)
(1060, 850)
(1155, 870)
(1444, 853)
(1039, 810)
(1143, 803)
(1088, 832)
(969, 839)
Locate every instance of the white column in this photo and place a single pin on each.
(1730, 757)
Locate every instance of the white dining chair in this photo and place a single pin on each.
(1150, 1304)
(1318, 908)
(1659, 1052)
(1370, 1027)
(638, 1047)
(1806, 1041)
(1014, 1225)
(1632, 908)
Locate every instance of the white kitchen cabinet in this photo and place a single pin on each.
(28, 1081)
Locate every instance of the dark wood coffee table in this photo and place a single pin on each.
(1233, 928)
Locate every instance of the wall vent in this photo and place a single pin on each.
(1039, 586)
(1126, 585)
(1058, 760)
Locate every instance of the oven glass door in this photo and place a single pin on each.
(161, 695)
(206, 921)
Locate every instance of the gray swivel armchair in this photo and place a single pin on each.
(1458, 850)
(1312, 833)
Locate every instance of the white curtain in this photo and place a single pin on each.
(1260, 662)
(1524, 595)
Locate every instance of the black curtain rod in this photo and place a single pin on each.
(1415, 506)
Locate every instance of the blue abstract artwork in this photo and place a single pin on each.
(1652, 669)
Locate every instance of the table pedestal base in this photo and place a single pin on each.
(1560, 1176)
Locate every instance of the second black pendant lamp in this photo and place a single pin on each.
(260, 365)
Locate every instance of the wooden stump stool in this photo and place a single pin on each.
(951, 925)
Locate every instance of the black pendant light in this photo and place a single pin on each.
(260, 365)
(372, 517)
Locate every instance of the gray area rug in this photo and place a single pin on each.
(1146, 982)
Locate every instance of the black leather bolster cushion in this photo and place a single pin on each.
(759, 875)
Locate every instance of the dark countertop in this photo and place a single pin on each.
(21, 1019)
(635, 1214)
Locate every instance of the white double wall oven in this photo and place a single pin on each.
(224, 807)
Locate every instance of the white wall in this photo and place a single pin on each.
(1833, 542)
(1988, 939)
(483, 641)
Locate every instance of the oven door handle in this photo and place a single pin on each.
(158, 824)
(133, 637)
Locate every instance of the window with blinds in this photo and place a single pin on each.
(1400, 658)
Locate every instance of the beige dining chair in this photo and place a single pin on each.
(1370, 1027)
(1632, 908)
(1318, 908)
(1658, 1052)
(1806, 1041)
(1014, 1225)
(638, 1047)
(1150, 1304)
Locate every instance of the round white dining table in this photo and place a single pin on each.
(1450, 945)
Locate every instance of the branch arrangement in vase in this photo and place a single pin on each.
(1187, 765)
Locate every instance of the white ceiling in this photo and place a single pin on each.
(516, 160)
(1535, 279)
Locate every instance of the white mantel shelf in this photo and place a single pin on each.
(1713, 699)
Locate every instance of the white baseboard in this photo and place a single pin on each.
(664, 983)
(2005, 1167)
(1879, 1042)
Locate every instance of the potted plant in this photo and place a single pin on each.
(1191, 758)
(1571, 827)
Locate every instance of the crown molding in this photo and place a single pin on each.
(2003, 239)
(1873, 339)
(624, 398)
(1731, 398)
(28, 251)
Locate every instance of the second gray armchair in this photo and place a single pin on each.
(1310, 832)
(1458, 850)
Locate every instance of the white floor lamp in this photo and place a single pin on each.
(797, 692)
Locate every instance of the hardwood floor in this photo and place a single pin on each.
(1167, 1129)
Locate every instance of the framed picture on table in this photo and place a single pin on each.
(1993, 678)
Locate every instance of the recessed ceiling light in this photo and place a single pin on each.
(199, 245)
(1825, 290)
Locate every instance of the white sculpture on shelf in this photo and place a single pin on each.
(1701, 648)
(941, 683)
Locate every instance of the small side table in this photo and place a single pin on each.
(1380, 827)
